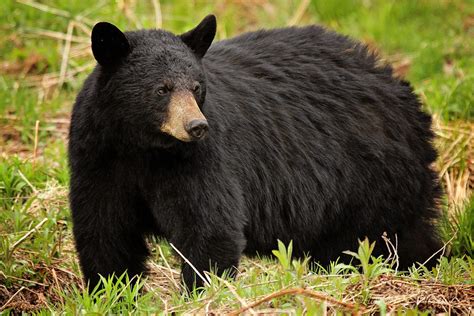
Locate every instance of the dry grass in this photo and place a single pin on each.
(12, 144)
(26, 295)
(403, 293)
(455, 144)
(398, 293)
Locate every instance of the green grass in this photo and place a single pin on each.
(431, 43)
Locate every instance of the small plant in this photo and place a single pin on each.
(283, 254)
(295, 269)
(371, 266)
(458, 228)
(113, 295)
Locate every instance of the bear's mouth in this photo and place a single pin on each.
(166, 141)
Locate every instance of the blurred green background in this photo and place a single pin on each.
(429, 41)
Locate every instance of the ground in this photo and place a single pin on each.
(45, 56)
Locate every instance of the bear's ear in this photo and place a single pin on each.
(200, 38)
(109, 44)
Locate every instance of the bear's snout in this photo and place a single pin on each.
(185, 120)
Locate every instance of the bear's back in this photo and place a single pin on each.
(294, 48)
(311, 79)
(317, 126)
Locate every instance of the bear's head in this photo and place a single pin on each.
(151, 84)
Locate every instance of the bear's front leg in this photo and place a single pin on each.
(108, 229)
(218, 253)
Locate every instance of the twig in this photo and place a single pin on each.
(45, 8)
(35, 149)
(20, 279)
(259, 284)
(237, 296)
(50, 120)
(11, 298)
(171, 277)
(65, 57)
(206, 281)
(393, 256)
(27, 182)
(300, 291)
(52, 79)
(299, 12)
(158, 16)
(58, 286)
(22, 239)
(55, 35)
(442, 249)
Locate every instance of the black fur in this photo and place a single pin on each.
(309, 141)
(200, 38)
(109, 44)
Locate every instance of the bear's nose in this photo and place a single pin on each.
(197, 128)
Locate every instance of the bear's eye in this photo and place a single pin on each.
(197, 88)
(162, 90)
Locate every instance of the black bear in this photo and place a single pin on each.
(293, 134)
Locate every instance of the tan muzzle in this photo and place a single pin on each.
(184, 119)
